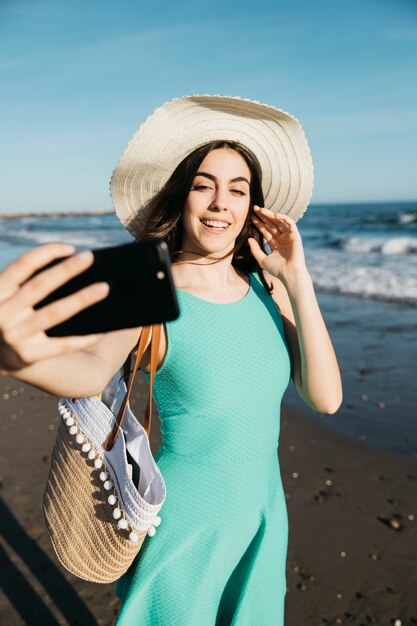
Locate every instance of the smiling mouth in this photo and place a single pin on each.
(215, 225)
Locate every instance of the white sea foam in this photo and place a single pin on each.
(407, 217)
(383, 245)
(389, 278)
(400, 245)
(75, 237)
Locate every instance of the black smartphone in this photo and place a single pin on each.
(142, 290)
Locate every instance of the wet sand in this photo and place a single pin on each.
(352, 517)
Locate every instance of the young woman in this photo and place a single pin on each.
(199, 173)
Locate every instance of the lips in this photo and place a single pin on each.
(211, 219)
(216, 230)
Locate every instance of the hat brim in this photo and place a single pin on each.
(181, 125)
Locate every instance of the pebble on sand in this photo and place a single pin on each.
(392, 522)
(395, 524)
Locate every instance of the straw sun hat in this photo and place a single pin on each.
(179, 126)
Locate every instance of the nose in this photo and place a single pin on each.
(219, 201)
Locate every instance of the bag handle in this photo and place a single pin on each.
(156, 340)
(155, 331)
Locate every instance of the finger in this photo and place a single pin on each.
(256, 251)
(285, 217)
(65, 308)
(26, 264)
(286, 221)
(267, 213)
(262, 209)
(262, 215)
(268, 230)
(36, 289)
(281, 219)
(263, 228)
(274, 220)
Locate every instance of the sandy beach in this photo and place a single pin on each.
(352, 510)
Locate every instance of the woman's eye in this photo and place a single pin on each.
(239, 192)
(201, 187)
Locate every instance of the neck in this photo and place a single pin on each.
(204, 270)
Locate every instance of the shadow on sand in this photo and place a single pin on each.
(20, 592)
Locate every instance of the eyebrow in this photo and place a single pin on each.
(238, 179)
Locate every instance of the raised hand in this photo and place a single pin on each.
(22, 328)
(284, 240)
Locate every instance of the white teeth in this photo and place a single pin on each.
(215, 224)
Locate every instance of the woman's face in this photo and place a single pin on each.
(219, 193)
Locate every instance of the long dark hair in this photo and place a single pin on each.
(161, 216)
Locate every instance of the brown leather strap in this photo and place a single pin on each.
(156, 340)
(141, 345)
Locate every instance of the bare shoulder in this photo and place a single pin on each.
(280, 296)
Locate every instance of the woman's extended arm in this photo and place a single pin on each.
(83, 373)
(67, 366)
(315, 370)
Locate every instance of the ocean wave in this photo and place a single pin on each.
(78, 237)
(393, 280)
(382, 245)
(407, 217)
(28, 220)
(59, 214)
(368, 294)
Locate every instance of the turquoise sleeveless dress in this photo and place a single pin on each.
(218, 557)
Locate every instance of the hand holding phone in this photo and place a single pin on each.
(50, 297)
(142, 290)
(22, 329)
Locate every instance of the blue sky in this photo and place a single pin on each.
(77, 78)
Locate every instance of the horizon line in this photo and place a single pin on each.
(92, 213)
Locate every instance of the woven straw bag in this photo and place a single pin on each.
(104, 490)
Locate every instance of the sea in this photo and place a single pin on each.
(363, 262)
